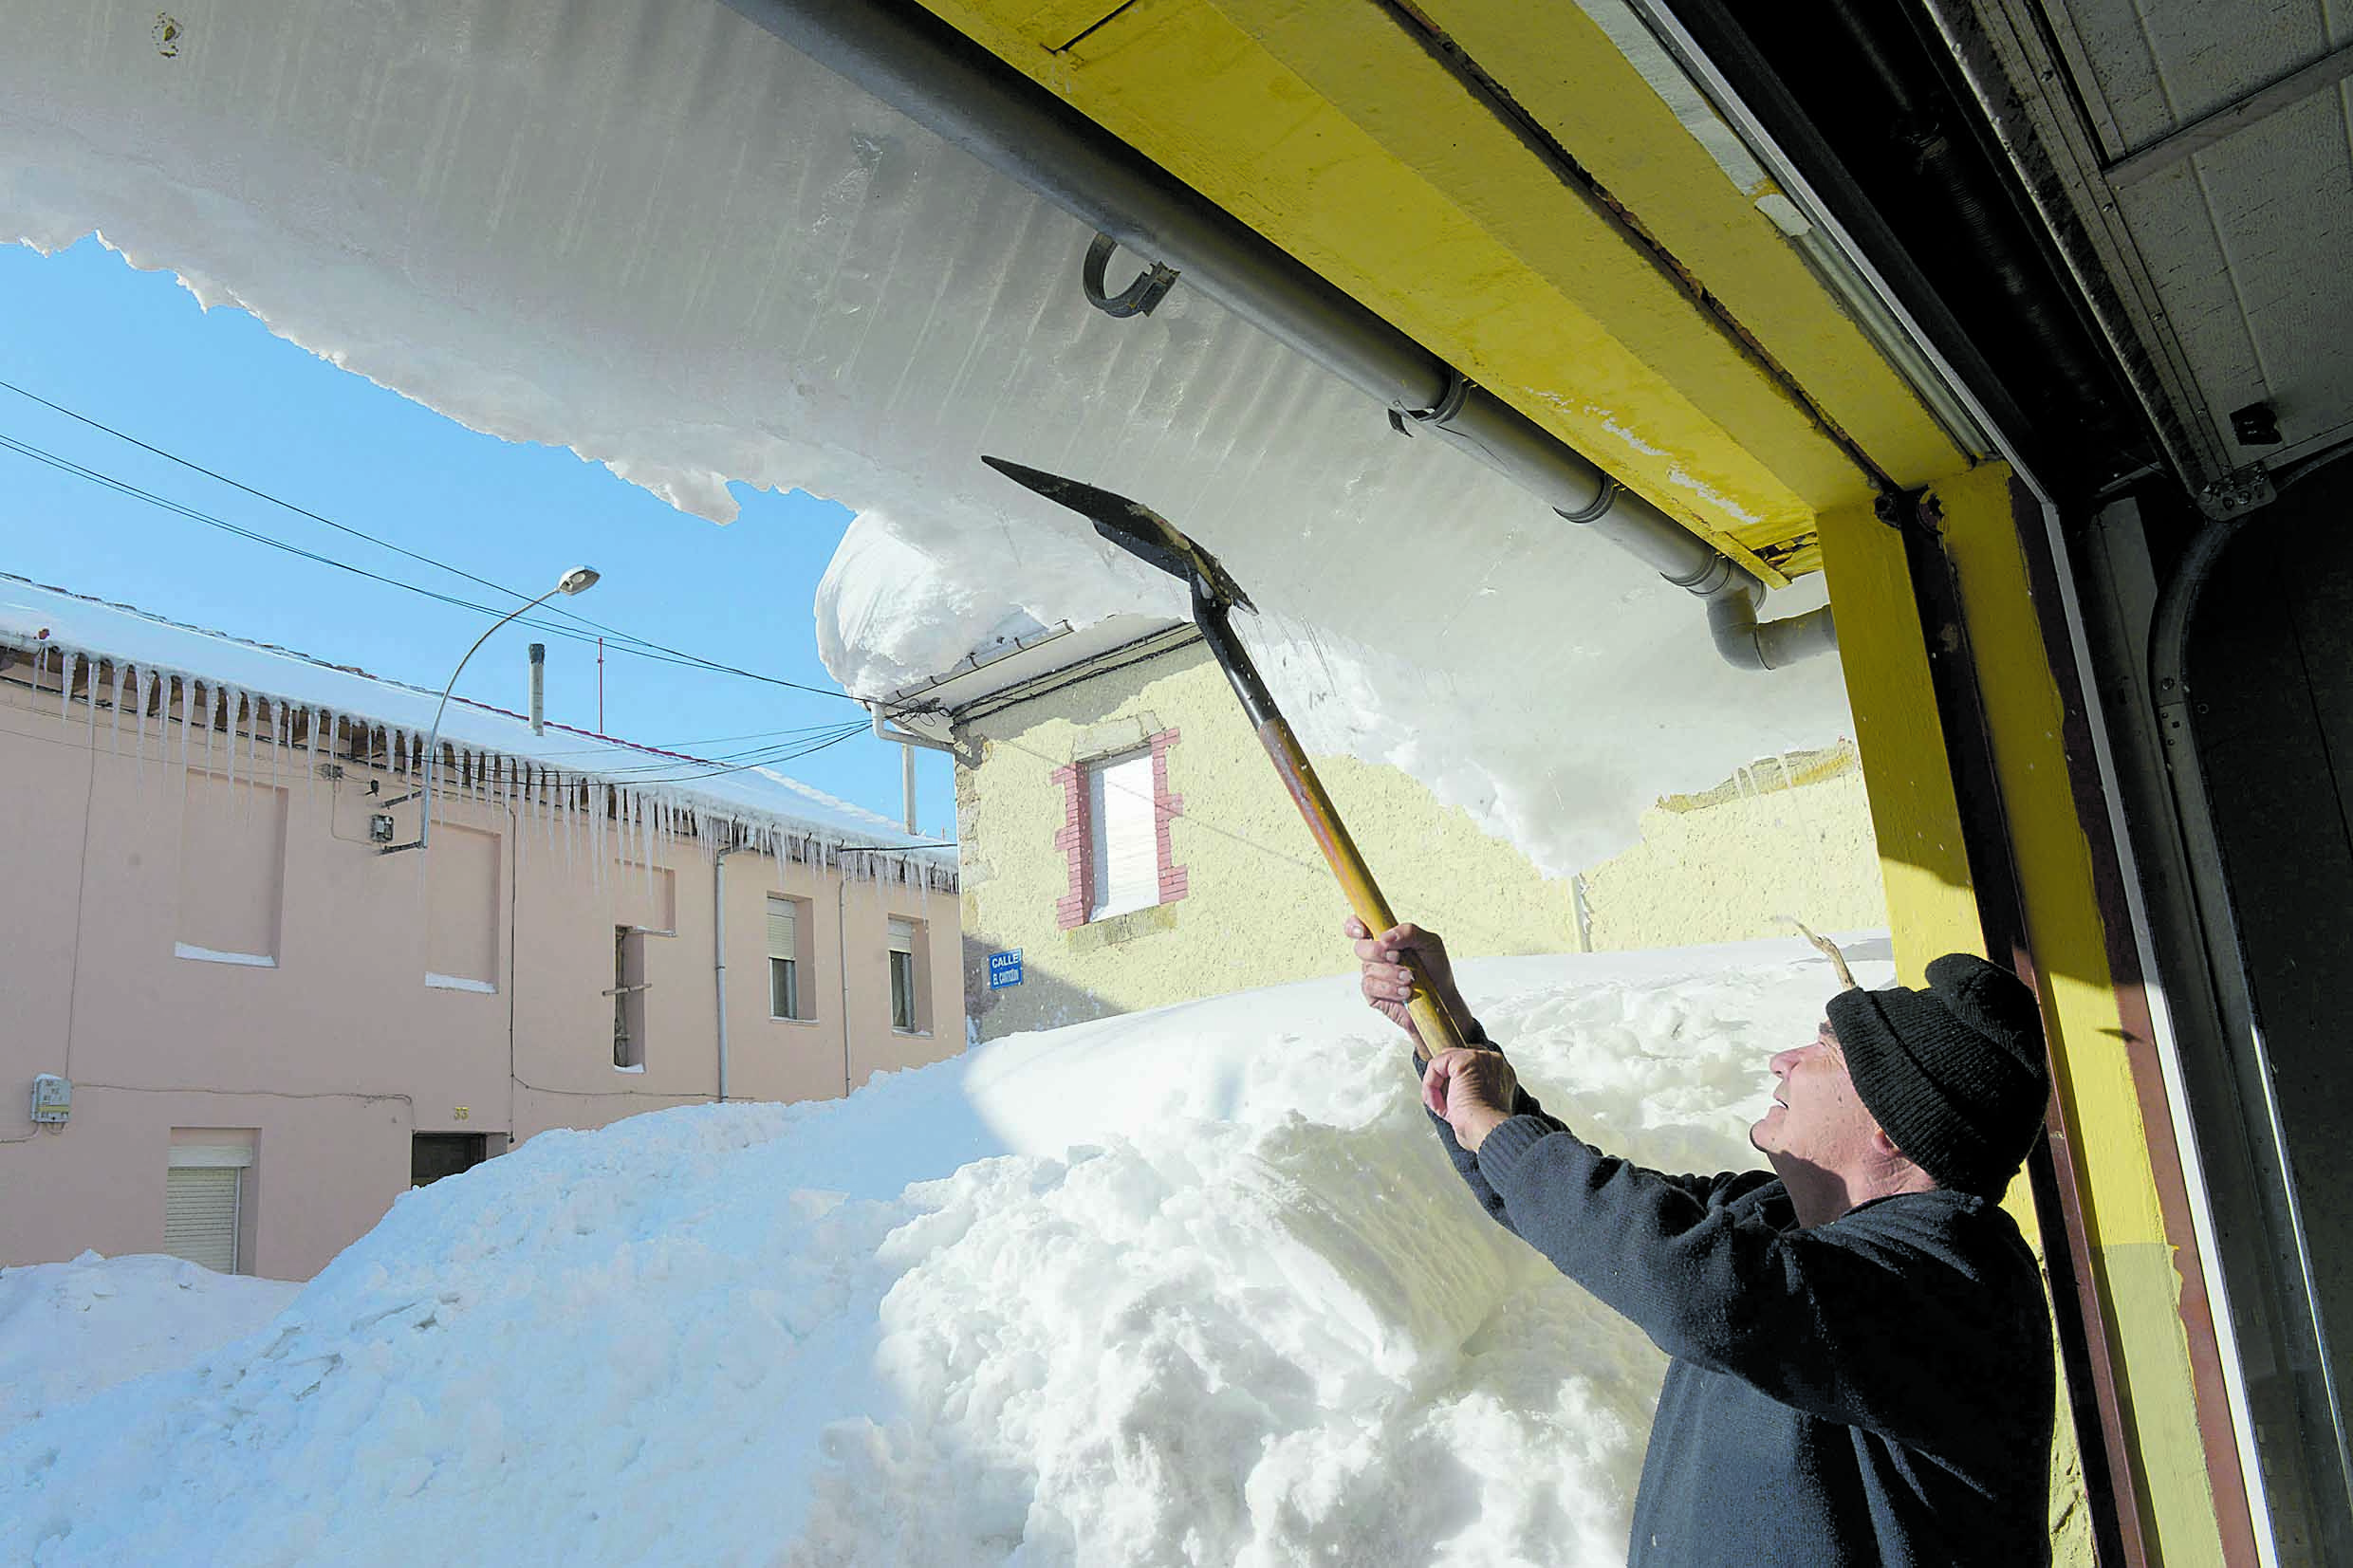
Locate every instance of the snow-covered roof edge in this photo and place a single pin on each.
(650, 791)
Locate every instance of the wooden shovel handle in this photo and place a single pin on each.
(1437, 1026)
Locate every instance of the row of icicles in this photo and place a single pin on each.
(618, 822)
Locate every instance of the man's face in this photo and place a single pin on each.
(1817, 1118)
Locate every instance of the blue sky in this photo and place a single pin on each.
(132, 350)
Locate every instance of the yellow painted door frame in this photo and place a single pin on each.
(1984, 793)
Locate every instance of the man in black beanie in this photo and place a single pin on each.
(1859, 1357)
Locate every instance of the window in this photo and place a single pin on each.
(204, 1197)
(785, 927)
(908, 1013)
(628, 994)
(433, 1155)
(1115, 834)
(1126, 861)
(231, 871)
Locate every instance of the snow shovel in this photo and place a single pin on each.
(1148, 536)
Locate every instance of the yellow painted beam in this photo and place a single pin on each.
(1333, 131)
(1559, 65)
(1932, 901)
(2131, 1252)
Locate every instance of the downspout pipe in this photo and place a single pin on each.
(942, 80)
(718, 953)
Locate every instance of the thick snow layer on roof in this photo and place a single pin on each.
(1194, 1286)
(658, 236)
(70, 629)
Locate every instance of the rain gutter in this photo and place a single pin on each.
(949, 85)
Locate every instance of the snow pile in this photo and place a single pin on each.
(1193, 1286)
(681, 248)
(69, 1329)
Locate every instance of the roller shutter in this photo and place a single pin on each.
(200, 1214)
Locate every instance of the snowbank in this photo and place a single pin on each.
(69, 1329)
(675, 245)
(1193, 1286)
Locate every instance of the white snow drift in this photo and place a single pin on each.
(660, 237)
(1193, 1286)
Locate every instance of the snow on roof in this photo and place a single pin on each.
(677, 246)
(772, 808)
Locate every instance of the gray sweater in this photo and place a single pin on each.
(1876, 1389)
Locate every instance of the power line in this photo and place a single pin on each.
(627, 643)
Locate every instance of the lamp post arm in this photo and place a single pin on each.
(433, 737)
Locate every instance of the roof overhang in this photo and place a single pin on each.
(1033, 666)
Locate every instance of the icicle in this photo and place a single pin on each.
(235, 702)
(65, 686)
(113, 724)
(644, 833)
(138, 711)
(89, 704)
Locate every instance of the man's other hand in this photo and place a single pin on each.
(1388, 982)
(1474, 1090)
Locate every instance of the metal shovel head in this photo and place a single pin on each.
(1134, 527)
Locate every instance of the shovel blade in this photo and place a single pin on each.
(1133, 527)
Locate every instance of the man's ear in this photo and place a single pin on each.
(1884, 1145)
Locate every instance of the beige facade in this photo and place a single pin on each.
(229, 972)
(1788, 837)
(1245, 898)
(1256, 907)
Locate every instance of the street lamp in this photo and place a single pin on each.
(578, 581)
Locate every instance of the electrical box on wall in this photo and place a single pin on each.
(52, 1097)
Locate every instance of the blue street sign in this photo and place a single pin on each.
(1004, 968)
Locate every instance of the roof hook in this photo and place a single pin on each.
(1147, 289)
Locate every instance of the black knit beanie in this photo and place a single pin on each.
(1953, 1074)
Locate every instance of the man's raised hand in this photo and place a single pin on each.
(1388, 982)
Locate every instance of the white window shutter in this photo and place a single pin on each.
(200, 1214)
(1124, 824)
(902, 934)
(782, 940)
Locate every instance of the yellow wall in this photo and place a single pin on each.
(1786, 836)
(1260, 907)
(2132, 1254)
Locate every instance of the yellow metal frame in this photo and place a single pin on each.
(1931, 909)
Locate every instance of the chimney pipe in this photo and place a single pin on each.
(539, 689)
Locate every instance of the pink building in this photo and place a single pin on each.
(241, 1019)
